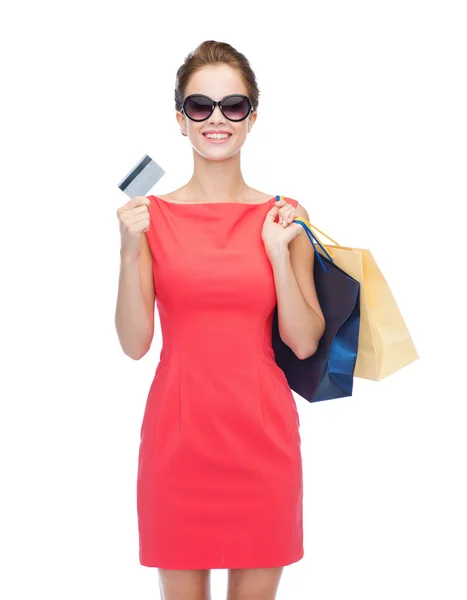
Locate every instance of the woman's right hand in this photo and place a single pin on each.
(134, 218)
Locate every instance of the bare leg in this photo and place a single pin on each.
(186, 584)
(253, 584)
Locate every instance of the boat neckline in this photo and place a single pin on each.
(215, 203)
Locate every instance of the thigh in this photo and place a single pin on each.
(186, 584)
(253, 584)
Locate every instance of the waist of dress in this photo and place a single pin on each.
(228, 361)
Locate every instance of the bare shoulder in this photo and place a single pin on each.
(261, 196)
(170, 197)
(300, 245)
(302, 211)
(254, 196)
(175, 196)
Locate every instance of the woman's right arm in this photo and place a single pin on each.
(134, 315)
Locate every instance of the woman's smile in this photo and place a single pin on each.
(218, 139)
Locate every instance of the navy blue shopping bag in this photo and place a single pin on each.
(328, 373)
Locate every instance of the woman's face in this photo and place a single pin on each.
(216, 81)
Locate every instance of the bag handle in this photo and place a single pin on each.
(314, 227)
(308, 227)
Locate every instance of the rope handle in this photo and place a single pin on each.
(309, 227)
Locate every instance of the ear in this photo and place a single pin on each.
(251, 120)
(181, 119)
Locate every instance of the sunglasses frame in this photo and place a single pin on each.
(219, 104)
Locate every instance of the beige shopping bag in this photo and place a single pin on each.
(385, 344)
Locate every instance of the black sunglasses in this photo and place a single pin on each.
(234, 107)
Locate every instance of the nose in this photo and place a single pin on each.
(217, 115)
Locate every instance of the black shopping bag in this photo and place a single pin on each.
(328, 373)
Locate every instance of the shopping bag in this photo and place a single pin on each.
(328, 373)
(385, 344)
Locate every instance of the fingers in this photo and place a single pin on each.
(286, 212)
(138, 201)
(135, 213)
(137, 204)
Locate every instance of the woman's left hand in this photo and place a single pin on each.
(276, 236)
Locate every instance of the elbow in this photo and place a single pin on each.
(134, 355)
(304, 353)
(311, 347)
(137, 353)
(136, 346)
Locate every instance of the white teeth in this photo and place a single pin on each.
(217, 136)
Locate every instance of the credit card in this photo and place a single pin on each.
(141, 178)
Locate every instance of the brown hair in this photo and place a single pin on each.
(211, 52)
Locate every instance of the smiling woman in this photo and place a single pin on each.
(219, 470)
(216, 92)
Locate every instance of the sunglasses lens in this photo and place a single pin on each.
(236, 108)
(198, 108)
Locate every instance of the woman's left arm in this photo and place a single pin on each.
(301, 322)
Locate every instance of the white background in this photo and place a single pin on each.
(362, 119)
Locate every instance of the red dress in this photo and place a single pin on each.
(219, 481)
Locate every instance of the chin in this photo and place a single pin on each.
(216, 156)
